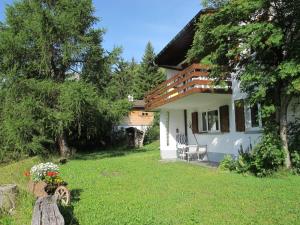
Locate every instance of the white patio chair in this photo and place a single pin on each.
(196, 150)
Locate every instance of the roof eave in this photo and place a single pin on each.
(190, 25)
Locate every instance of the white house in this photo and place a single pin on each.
(190, 105)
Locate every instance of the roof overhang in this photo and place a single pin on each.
(175, 51)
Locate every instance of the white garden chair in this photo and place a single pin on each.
(198, 151)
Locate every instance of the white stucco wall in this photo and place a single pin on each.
(217, 143)
(168, 138)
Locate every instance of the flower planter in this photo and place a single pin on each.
(42, 189)
(45, 181)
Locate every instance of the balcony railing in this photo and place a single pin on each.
(194, 79)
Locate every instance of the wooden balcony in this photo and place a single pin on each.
(194, 79)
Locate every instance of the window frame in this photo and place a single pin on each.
(248, 118)
(200, 121)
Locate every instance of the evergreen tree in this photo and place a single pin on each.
(122, 80)
(47, 39)
(149, 75)
(134, 69)
(213, 3)
(99, 65)
(42, 43)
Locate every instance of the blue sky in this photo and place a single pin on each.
(132, 23)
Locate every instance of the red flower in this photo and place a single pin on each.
(26, 173)
(52, 174)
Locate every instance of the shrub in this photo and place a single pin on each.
(268, 155)
(296, 162)
(119, 137)
(243, 164)
(294, 143)
(266, 158)
(228, 163)
(152, 133)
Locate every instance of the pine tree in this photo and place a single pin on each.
(149, 75)
(42, 43)
(122, 80)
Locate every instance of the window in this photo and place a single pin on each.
(195, 127)
(204, 121)
(213, 120)
(253, 118)
(224, 118)
(239, 109)
(209, 121)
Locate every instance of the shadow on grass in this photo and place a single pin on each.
(75, 195)
(110, 153)
(68, 211)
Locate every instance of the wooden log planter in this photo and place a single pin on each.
(42, 189)
(46, 211)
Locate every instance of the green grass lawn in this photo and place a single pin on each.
(137, 188)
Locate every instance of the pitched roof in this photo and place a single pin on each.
(175, 51)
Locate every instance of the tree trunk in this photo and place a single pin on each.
(283, 129)
(8, 195)
(64, 150)
(46, 212)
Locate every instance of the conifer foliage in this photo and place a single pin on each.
(58, 85)
(149, 74)
(45, 46)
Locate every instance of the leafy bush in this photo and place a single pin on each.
(228, 163)
(294, 145)
(266, 158)
(243, 163)
(119, 137)
(296, 162)
(152, 133)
